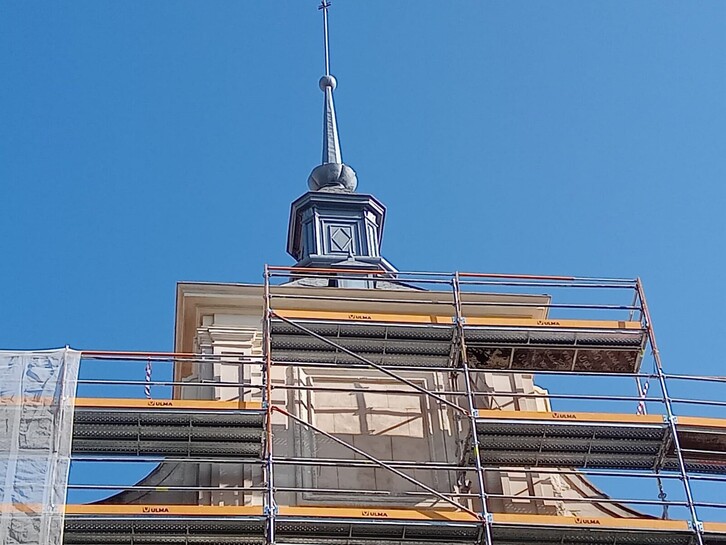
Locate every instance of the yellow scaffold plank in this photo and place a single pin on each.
(591, 522)
(351, 316)
(125, 403)
(27, 508)
(377, 513)
(170, 510)
(334, 316)
(685, 422)
(44, 401)
(564, 324)
(283, 511)
(714, 527)
(443, 515)
(609, 418)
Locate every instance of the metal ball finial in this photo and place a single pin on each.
(328, 81)
(333, 176)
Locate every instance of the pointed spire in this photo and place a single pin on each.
(331, 141)
(331, 225)
(332, 174)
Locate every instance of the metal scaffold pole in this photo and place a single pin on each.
(672, 419)
(459, 317)
(270, 504)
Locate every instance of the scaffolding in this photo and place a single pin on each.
(483, 324)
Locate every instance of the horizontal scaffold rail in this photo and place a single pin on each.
(600, 440)
(167, 427)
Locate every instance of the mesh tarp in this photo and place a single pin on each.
(36, 425)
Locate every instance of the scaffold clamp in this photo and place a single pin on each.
(697, 525)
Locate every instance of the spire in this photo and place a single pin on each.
(332, 174)
(331, 225)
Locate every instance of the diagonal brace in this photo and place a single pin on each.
(375, 461)
(372, 364)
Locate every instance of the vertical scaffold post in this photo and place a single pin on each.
(269, 503)
(672, 420)
(483, 498)
(642, 389)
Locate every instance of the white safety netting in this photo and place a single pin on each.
(36, 424)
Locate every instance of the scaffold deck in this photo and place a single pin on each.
(555, 345)
(157, 524)
(414, 343)
(598, 440)
(492, 343)
(167, 427)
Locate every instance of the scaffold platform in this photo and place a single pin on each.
(579, 346)
(346, 337)
(168, 427)
(423, 340)
(599, 440)
(514, 529)
(164, 524)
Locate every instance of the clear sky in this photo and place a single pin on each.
(142, 143)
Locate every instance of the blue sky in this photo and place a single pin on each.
(143, 143)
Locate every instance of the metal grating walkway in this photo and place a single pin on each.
(191, 525)
(598, 440)
(492, 343)
(167, 427)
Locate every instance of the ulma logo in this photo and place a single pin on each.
(377, 514)
(153, 509)
(579, 520)
(159, 403)
(359, 317)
